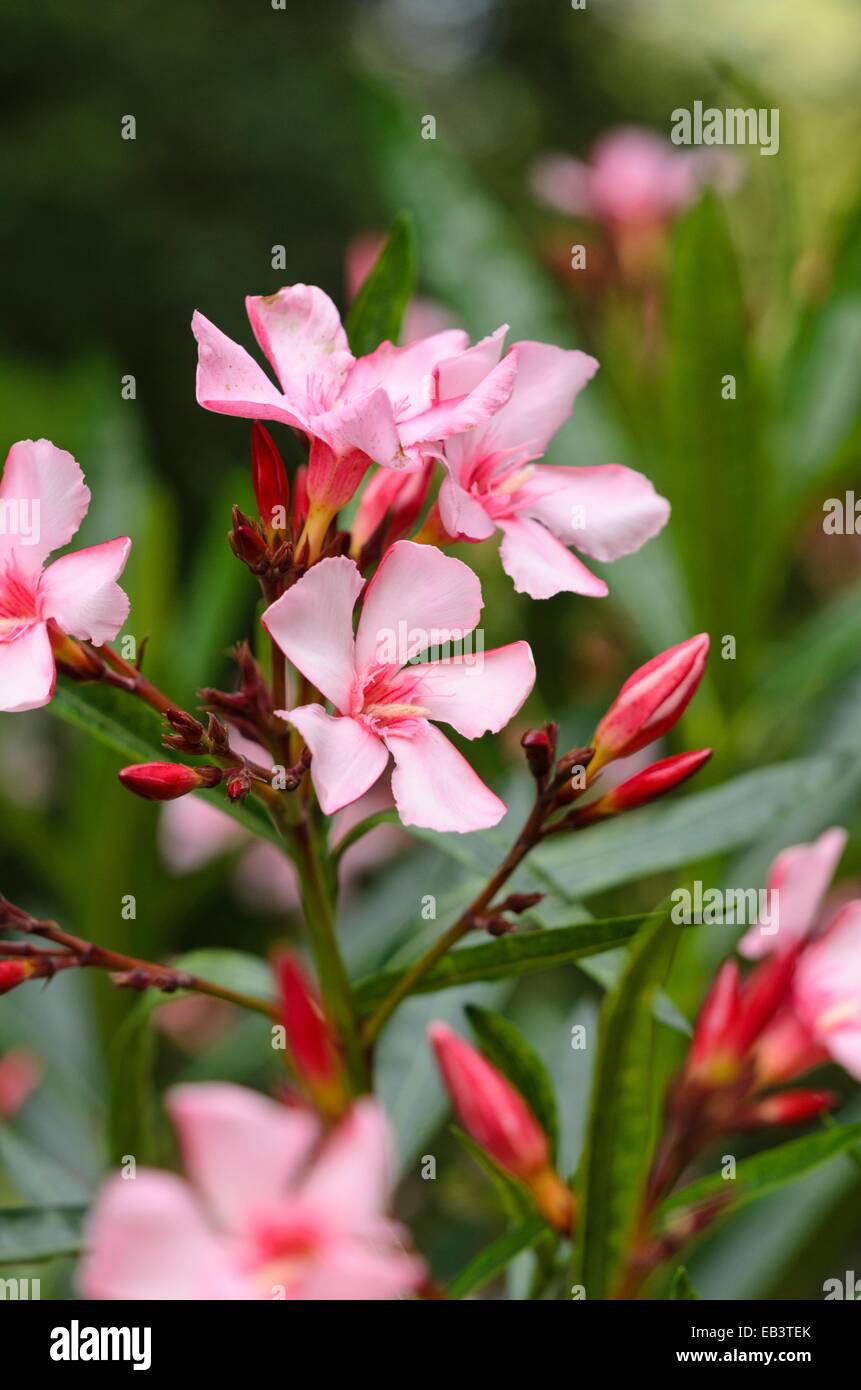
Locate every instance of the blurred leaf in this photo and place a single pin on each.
(376, 313)
(513, 1196)
(35, 1174)
(132, 1125)
(681, 1286)
(507, 956)
(505, 1046)
(364, 827)
(767, 1171)
(28, 1234)
(615, 1162)
(494, 1259)
(683, 831)
(713, 468)
(821, 397)
(132, 729)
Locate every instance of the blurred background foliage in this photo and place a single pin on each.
(259, 127)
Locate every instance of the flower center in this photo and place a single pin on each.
(384, 697)
(19, 607)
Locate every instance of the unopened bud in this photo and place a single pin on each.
(309, 1038)
(539, 745)
(167, 781)
(789, 1108)
(655, 781)
(651, 701)
(269, 477)
(15, 972)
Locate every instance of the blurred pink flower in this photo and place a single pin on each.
(20, 1074)
(493, 483)
(633, 177)
(43, 500)
(270, 1209)
(827, 989)
(385, 406)
(418, 599)
(800, 876)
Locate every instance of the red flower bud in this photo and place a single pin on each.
(14, 972)
(309, 1037)
(490, 1110)
(539, 745)
(717, 1018)
(167, 781)
(789, 1108)
(648, 785)
(269, 477)
(300, 497)
(765, 991)
(651, 701)
(497, 1117)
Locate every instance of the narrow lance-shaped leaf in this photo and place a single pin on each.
(616, 1157)
(378, 308)
(491, 1262)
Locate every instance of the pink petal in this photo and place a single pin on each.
(453, 416)
(406, 373)
(240, 1149)
(346, 758)
(481, 694)
(350, 1178)
(540, 565)
(49, 501)
(313, 625)
(79, 591)
(827, 988)
(436, 788)
(417, 591)
(147, 1239)
(351, 1270)
(549, 380)
(459, 375)
(27, 672)
(800, 876)
(366, 424)
(300, 331)
(604, 512)
(461, 513)
(231, 383)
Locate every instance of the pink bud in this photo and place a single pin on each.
(269, 477)
(308, 1035)
(333, 478)
(167, 781)
(648, 785)
(789, 1108)
(490, 1110)
(651, 701)
(764, 993)
(717, 1018)
(390, 505)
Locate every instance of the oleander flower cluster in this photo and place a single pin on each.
(356, 701)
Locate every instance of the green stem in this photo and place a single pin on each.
(334, 982)
(406, 984)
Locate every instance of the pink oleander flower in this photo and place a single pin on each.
(799, 877)
(493, 482)
(270, 1209)
(632, 177)
(418, 599)
(827, 989)
(387, 407)
(43, 500)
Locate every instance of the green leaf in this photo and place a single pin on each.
(29, 1234)
(713, 469)
(494, 1258)
(666, 837)
(378, 308)
(507, 957)
(681, 1286)
(133, 730)
(822, 396)
(508, 1050)
(616, 1155)
(767, 1171)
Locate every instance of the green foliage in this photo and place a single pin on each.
(378, 308)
